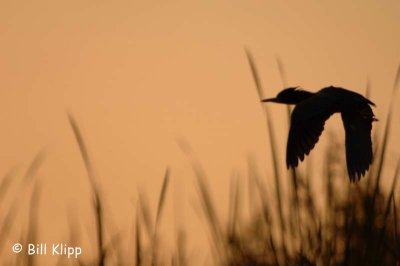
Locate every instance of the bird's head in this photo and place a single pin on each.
(292, 95)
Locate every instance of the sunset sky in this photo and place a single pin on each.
(140, 76)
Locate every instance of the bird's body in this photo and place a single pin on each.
(308, 120)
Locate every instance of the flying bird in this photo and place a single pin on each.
(308, 120)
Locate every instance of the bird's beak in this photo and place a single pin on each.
(273, 100)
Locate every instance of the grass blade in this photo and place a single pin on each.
(161, 201)
(282, 71)
(395, 221)
(138, 245)
(233, 206)
(368, 88)
(33, 219)
(5, 183)
(386, 134)
(255, 74)
(98, 208)
(163, 193)
(388, 204)
(274, 153)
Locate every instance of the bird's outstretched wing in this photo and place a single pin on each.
(307, 123)
(358, 126)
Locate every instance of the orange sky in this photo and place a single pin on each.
(138, 75)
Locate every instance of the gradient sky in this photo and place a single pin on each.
(140, 75)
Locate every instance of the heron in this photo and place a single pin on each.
(308, 119)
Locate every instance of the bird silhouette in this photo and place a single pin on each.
(308, 120)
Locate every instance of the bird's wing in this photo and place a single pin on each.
(307, 123)
(358, 125)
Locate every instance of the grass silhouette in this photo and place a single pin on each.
(359, 228)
